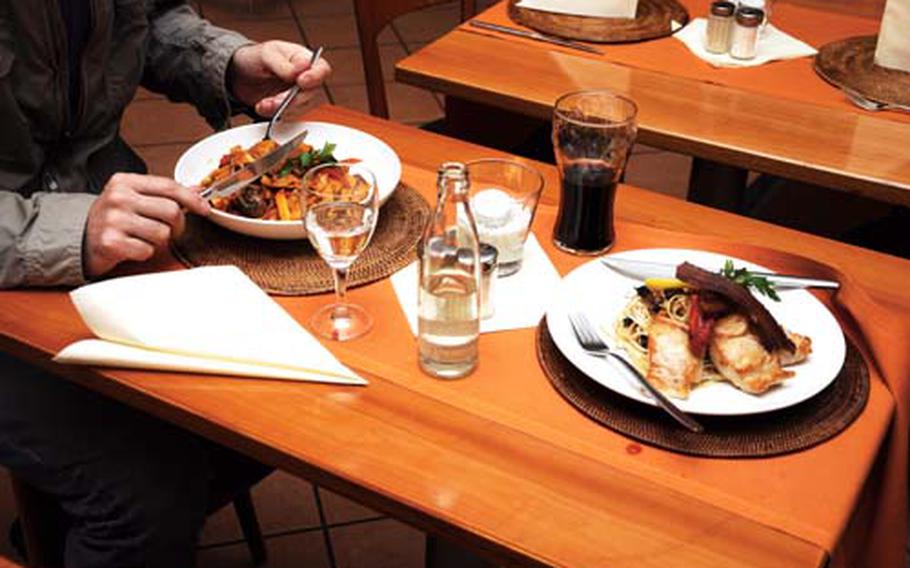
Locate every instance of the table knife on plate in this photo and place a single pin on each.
(252, 171)
(645, 269)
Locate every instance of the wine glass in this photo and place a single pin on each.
(342, 205)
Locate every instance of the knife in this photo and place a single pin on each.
(252, 171)
(644, 269)
(535, 36)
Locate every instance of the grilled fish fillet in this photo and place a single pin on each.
(740, 357)
(672, 367)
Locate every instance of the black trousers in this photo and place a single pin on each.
(133, 491)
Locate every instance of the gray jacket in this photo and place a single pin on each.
(49, 173)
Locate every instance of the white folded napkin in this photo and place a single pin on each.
(520, 300)
(593, 8)
(773, 45)
(204, 320)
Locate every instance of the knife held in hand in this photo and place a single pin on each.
(252, 171)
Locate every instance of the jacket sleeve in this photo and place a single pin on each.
(41, 238)
(188, 58)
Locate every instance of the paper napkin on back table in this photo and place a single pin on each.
(773, 45)
(593, 8)
(205, 320)
(520, 300)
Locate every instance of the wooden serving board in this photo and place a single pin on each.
(655, 19)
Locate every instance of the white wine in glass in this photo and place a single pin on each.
(342, 206)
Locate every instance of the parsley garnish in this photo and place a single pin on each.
(743, 277)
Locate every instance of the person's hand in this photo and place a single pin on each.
(261, 75)
(135, 216)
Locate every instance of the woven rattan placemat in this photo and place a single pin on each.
(850, 63)
(293, 267)
(654, 19)
(773, 433)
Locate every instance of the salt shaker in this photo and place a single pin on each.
(488, 271)
(720, 27)
(745, 33)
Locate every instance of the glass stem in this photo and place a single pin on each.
(341, 290)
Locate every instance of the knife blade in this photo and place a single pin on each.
(642, 269)
(252, 171)
(535, 36)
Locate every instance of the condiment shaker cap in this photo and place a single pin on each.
(489, 256)
(750, 17)
(723, 8)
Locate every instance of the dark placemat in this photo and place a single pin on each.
(293, 267)
(850, 64)
(653, 20)
(773, 433)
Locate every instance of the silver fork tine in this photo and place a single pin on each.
(592, 343)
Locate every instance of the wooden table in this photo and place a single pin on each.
(441, 456)
(833, 146)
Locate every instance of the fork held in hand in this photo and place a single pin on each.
(593, 345)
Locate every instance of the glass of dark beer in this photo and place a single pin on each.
(593, 133)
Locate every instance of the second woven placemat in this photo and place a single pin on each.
(850, 64)
(773, 433)
(293, 267)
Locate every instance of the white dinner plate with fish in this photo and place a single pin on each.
(604, 296)
(204, 157)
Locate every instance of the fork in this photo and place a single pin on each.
(868, 104)
(289, 97)
(593, 345)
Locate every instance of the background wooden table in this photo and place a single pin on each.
(423, 451)
(841, 148)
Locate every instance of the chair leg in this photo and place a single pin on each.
(249, 524)
(40, 523)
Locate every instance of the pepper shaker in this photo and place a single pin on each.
(720, 27)
(745, 33)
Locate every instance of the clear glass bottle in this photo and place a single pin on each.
(448, 323)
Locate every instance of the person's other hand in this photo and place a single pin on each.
(261, 75)
(135, 216)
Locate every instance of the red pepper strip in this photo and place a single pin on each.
(700, 328)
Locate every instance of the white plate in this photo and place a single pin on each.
(203, 157)
(602, 293)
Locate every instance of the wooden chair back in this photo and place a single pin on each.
(372, 17)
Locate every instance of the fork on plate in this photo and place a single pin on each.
(593, 345)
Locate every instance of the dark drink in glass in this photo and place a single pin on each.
(585, 222)
(593, 133)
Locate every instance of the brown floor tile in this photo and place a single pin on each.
(380, 544)
(341, 510)
(322, 7)
(664, 172)
(161, 159)
(7, 513)
(219, 11)
(143, 94)
(299, 550)
(347, 64)
(338, 31)
(283, 503)
(643, 149)
(157, 121)
(427, 25)
(264, 30)
(407, 104)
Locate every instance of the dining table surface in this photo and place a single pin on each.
(499, 461)
(780, 118)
